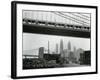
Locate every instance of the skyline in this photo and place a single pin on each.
(33, 41)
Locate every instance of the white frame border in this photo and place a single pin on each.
(38, 72)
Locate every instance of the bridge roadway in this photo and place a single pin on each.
(55, 29)
(30, 56)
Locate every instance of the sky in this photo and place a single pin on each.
(34, 41)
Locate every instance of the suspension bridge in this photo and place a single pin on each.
(57, 23)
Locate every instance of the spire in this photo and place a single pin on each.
(48, 48)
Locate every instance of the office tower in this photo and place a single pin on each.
(56, 48)
(74, 49)
(41, 52)
(69, 46)
(75, 52)
(79, 51)
(61, 48)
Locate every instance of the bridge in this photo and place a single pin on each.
(57, 23)
(33, 53)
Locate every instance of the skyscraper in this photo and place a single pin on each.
(61, 48)
(74, 48)
(69, 46)
(74, 51)
(41, 52)
(56, 48)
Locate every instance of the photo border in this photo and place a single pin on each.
(14, 38)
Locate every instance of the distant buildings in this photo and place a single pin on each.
(65, 54)
(77, 53)
(71, 57)
(60, 57)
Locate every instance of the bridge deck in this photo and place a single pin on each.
(34, 28)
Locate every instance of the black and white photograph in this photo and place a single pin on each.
(55, 51)
(53, 40)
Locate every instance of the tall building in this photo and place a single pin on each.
(56, 48)
(65, 53)
(41, 52)
(71, 55)
(69, 46)
(78, 52)
(75, 51)
(48, 48)
(61, 48)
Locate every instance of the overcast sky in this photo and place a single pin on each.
(34, 41)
